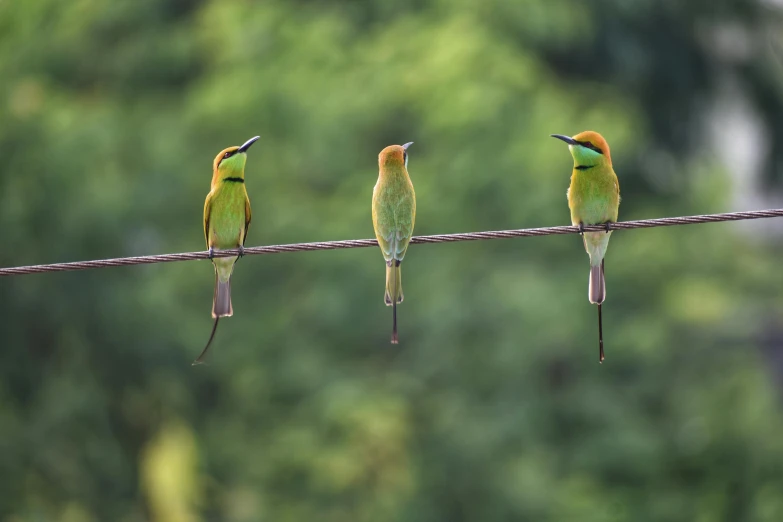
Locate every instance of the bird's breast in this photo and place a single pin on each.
(227, 218)
(593, 196)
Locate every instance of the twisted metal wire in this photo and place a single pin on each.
(363, 243)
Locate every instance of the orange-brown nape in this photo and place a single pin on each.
(597, 141)
(393, 155)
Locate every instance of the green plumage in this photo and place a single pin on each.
(394, 212)
(594, 199)
(228, 211)
(226, 220)
(594, 194)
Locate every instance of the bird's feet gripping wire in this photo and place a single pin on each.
(241, 251)
(607, 226)
(211, 254)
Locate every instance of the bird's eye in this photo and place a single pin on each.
(227, 155)
(590, 145)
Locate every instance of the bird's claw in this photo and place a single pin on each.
(608, 226)
(211, 254)
(581, 228)
(241, 251)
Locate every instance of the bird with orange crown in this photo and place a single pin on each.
(393, 216)
(594, 199)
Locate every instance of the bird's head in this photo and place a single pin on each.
(231, 161)
(588, 148)
(394, 156)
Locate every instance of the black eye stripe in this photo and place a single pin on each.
(227, 155)
(590, 146)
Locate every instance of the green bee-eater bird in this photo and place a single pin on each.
(393, 215)
(226, 220)
(594, 199)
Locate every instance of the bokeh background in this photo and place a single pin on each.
(493, 407)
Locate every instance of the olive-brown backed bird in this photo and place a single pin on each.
(393, 216)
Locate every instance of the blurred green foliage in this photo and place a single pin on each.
(493, 407)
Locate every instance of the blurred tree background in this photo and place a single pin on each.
(493, 407)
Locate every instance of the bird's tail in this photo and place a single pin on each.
(597, 294)
(393, 294)
(221, 301)
(597, 287)
(393, 284)
(600, 336)
(200, 358)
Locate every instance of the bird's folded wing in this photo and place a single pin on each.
(387, 239)
(248, 217)
(207, 212)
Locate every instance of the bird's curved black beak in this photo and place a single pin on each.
(405, 147)
(570, 141)
(248, 143)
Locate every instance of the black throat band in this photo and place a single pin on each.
(235, 180)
